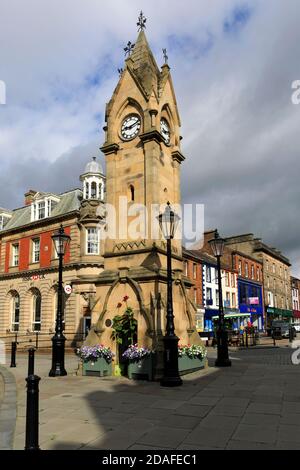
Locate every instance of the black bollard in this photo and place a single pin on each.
(13, 354)
(32, 413)
(31, 361)
(37, 340)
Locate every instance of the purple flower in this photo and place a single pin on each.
(92, 353)
(134, 353)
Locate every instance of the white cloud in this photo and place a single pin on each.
(59, 60)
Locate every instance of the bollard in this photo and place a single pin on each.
(32, 413)
(37, 340)
(13, 354)
(274, 342)
(31, 361)
(246, 338)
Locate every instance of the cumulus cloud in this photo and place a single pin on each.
(232, 62)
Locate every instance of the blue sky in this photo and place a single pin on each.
(232, 64)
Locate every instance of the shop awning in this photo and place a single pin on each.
(279, 312)
(296, 313)
(233, 315)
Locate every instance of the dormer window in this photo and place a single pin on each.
(4, 218)
(43, 208)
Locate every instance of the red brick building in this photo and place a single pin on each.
(29, 264)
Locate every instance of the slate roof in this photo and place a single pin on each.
(69, 202)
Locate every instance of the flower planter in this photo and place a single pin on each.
(141, 369)
(187, 364)
(99, 368)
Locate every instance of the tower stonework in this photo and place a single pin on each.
(143, 159)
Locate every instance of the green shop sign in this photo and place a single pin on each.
(279, 312)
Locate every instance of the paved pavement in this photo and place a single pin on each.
(255, 404)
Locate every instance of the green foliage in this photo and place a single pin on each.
(124, 327)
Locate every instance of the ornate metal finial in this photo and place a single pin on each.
(129, 48)
(165, 55)
(141, 22)
(120, 71)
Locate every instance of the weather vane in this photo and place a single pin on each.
(165, 55)
(128, 49)
(141, 22)
(120, 71)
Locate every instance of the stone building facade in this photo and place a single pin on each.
(29, 264)
(276, 274)
(143, 160)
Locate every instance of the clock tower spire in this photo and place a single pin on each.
(143, 160)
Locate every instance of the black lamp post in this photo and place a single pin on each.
(168, 222)
(217, 246)
(61, 241)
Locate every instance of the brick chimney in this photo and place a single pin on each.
(29, 196)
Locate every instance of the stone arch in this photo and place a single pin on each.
(129, 102)
(11, 297)
(186, 301)
(139, 295)
(167, 109)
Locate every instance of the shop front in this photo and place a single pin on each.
(274, 313)
(251, 302)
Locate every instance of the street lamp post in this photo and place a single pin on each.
(61, 241)
(168, 222)
(217, 246)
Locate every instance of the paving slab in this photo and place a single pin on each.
(252, 405)
(252, 433)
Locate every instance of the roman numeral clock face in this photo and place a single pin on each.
(130, 127)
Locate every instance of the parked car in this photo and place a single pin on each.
(280, 326)
(296, 326)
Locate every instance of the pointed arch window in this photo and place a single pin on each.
(36, 311)
(15, 312)
(131, 192)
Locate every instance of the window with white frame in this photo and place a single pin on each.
(227, 283)
(208, 274)
(92, 240)
(15, 254)
(208, 294)
(3, 220)
(36, 250)
(252, 271)
(43, 208)
(246, 270)
(186, 268)
(216, 276)
(233, 300)
(194, 270)
(36, 311)
(15, 312)
(232, 279)
(240, 268)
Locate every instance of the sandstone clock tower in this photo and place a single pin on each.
(143, 160)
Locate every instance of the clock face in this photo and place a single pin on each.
(165, 130)
(130, 127)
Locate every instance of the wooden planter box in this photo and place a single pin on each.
(141, 370)
(98, 368)
(187, 365)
